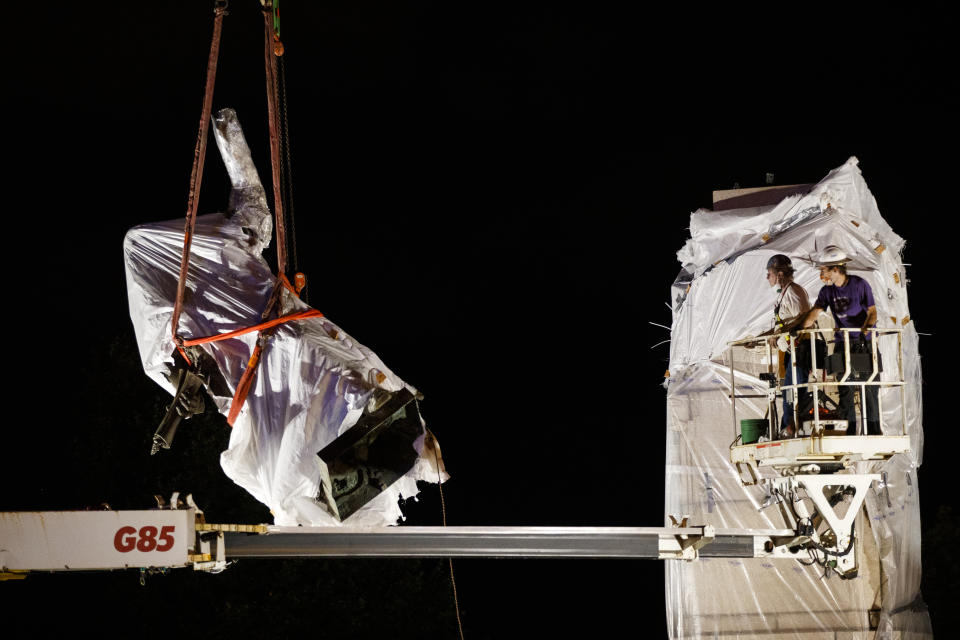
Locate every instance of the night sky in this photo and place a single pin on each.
(491, 197)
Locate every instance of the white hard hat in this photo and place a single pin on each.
(832, 256)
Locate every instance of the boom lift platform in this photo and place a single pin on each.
(816, 483)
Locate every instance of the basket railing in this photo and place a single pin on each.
(848, 376)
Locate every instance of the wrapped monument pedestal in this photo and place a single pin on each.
(314, 383)
(721, 296)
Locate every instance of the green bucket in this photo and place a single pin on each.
(752, 428)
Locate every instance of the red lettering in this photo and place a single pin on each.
(126, 539)
(148, 539)
(123, 541)
(166, 539)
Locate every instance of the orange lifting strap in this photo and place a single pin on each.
(264, 329)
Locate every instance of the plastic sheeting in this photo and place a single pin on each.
(313, 381)
(722, 295)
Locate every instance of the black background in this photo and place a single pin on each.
(490, 196)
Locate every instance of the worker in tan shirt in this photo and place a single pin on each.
(790, 307)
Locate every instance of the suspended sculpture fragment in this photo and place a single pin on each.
(315, 389)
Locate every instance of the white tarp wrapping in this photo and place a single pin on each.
(313, 380)
(722, 295)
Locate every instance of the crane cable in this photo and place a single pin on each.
(196, 174)
(286, 174)
(273, 48)
(283, 133)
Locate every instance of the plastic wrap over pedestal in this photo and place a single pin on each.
(314, 381)
(721, 295)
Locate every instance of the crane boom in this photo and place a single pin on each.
(179, 537)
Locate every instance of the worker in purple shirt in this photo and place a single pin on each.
(850, 300)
